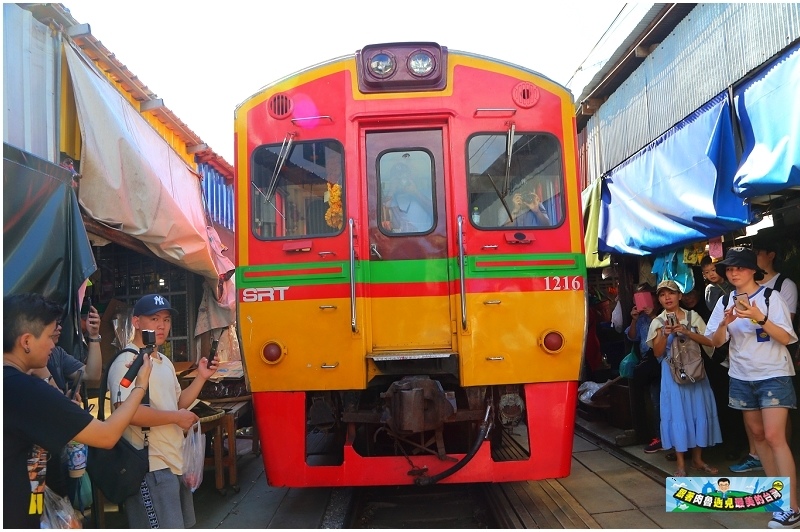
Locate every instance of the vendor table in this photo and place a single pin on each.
(223, 427)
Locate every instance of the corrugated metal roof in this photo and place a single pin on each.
(653, 27)
(129, 83)
(716, 46)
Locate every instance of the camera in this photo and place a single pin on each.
(149, 338)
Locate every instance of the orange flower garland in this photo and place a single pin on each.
(333, 217)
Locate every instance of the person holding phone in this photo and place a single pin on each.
(61, 372)
(164, 501)
(646, 382)
(37, 419)
(689, 420)
(766, 255)
(761, 367)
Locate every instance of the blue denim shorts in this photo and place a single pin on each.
(768, 393)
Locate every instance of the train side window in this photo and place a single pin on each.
(405, 188)
(297, 190)
(525, 191)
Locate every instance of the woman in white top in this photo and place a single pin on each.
(761, 369)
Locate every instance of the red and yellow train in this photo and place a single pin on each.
(410, 269)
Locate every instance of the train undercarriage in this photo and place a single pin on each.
(410, 417)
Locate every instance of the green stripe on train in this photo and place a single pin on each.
(327, 273)
(413, 271)
(575, 263)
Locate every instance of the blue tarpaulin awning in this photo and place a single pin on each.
(677, 190)
(768, 109)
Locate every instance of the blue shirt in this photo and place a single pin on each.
(642, 328)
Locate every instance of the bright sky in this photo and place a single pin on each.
(205, 58)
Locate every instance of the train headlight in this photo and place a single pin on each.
(421, 63)
(382, 65)
(552, 341)
(273, 352)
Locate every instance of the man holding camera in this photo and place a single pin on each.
(163, 501)
(528, 211)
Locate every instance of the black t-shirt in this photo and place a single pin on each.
(34, 415)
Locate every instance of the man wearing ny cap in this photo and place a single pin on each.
(164, 501)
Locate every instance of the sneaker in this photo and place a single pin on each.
(787, 519)
(748, 463)
(654, 446)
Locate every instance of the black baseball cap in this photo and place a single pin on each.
(151, 304)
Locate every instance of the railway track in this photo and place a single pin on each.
(541, 504)
(463, 506)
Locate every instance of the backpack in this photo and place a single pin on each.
(117, 472)
(686, 358)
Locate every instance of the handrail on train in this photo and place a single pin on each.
(462, 282)
(353, 326)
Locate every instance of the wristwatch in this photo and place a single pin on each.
(48, 379)
(762, 322)
(90, 339)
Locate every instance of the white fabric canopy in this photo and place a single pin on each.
(133, 181)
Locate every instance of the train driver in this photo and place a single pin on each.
(406, 210)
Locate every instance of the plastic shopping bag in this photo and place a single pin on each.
(58, 512)
(194, 454)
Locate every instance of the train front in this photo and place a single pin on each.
(410, 270)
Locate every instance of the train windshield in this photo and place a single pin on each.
(515, 180)
(297, 189)
(406, 192)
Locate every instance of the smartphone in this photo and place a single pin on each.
(87, 306)
(75, 385)
(672, 319)
(741, 301)
(643, 300)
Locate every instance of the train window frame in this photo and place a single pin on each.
(386, 178)
(525, 180)
(307, 198)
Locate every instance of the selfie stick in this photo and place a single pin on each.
(127, 380)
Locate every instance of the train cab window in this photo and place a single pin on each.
(515, 182)
(406, 187)
(297, 189)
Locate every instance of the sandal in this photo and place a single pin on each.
(706, 469)
(679, 473)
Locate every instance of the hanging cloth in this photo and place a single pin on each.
(670, 266)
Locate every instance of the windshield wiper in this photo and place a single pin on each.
(282, 156)
(501, 196)
(509, 152)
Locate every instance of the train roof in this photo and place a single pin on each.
(352, 56)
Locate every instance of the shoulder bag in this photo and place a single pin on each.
(118, 472)
(686, 358)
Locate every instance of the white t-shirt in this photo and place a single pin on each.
(166, 441)
(751, 359)
(788, 291)
(697, 325)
